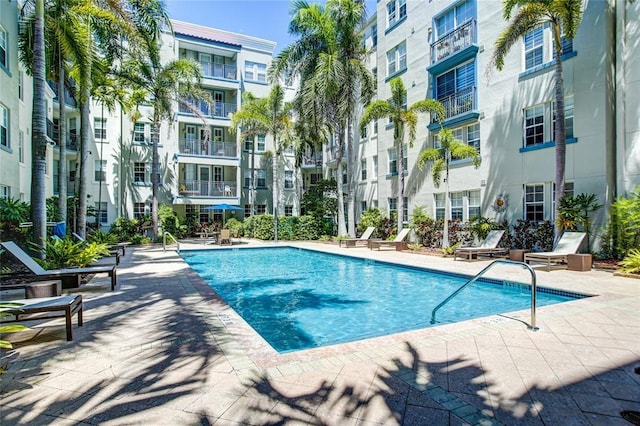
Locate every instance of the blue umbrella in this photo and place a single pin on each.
(224, 207)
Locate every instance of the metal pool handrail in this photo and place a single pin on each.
(532, 326)
(164, 241)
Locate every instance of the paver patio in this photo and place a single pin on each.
(164, 349)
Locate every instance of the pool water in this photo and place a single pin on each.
(299, 299)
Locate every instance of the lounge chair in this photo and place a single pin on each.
(398, 242)
(57, 274)
(364, 238)
(224, 237)
(569, 244)
(45, 308)
(488, 247)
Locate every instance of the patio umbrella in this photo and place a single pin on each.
(224, 207)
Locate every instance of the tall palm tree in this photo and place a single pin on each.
(165, 84)
(564, 17)
(450, 149)
(329, 59)
(250, 119)
(403, 119)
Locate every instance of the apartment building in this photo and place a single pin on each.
(442, 50)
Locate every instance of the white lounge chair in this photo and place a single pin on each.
(488, 247)
(398, 242)
(364, 238)
(569, 244)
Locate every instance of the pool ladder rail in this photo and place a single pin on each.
(531, 326)
(164, 241)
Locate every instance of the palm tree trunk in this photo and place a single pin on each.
(560, 131)
(62, 141)
(342, 227)
(400, 203)
(274, 187)
(445, 231)
(84, 163)
(351, 180)
(39, 132)
(155, 177)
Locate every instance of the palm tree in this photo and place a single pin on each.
(330, 60)
(450, 149)
(564, 17)
(250, 120)
(176, 82)
(402, 117)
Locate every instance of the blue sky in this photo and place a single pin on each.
(267, 19)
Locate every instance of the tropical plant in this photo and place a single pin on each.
(480, 227)
(250, 119)
(405, 120)
(575, 211)
(622, 232)
(235, 226)
(329, 60)
(373, 217)
(532, 235)
(564, 17)
(8, 328)
(12, 213)
(65, 253)
(450, 149)
(320, 200)
(631, 262)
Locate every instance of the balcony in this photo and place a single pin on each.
(453, 42)
(70, 186)
(203, 188)
(208, 148)
(312, 160)
(69, 100)
(219, 110)
(333, 152)
(225, 71)
(459, 107)
(72, 140)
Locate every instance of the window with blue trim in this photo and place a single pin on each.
(455, 89)
(397, 59)
(568, 118)
(4, 56)
(396, 10)
(534, 48)
(454, 18)
(540, 122)
(4, 126)
(534, 125)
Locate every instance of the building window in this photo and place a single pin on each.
(393, 160)
(138, 210)
(375, 127)
(255, 71)
(375, 166)
(288, 179)
(568, 118)
(454, 18)
(393, 205)
(397, 59)
(374, 35)
(455, 89)
(363, 169)
(247, 210)
(439, 205)
(396, 10)
(4, 126)
(261, 208)
(474, 204)
(5, 192)
(363, 206)
(534, 202)
(4, 56)
(457, 206)
(138, 132)
(100, 170)
(534, 48)
(139, 172)
(568, 192)
(261, 178)
(314, 178)
(534, 125)
(288, 210)
(248, 143)
(101, 212)
(100, 128)
(21, 146)
(247, 178)
(345, 177)
(261, 145)
(21, 85)
(473, 136)
(364, 132)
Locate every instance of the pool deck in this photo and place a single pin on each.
(164, 349)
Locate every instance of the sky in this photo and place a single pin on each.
(268, 19)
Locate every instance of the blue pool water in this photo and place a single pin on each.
(299, 299)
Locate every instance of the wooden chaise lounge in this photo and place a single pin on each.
(46, 308)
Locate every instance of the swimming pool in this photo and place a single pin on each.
(299, 299)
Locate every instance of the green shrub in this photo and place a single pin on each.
(622, 233)
(533, 235)
(373, 217)
(263, 227)
(235, 226)
(139, 239)
(66, 253)
(479, 227)
(631, 263)
(102, 237)
(308, 228)
(12, 213)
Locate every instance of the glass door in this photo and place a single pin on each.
(218, 100)
(204, 173)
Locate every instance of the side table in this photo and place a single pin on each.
(517, 255)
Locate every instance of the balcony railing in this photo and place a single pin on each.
(314, 160)
(204, 188)
(459, 103)
(218, 110)
(210, 148)
(68, 99)
(56, 186)
(72, 140)
(333, 152)
(453, 42)
(228, 71)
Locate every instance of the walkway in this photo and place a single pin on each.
(164, 349)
